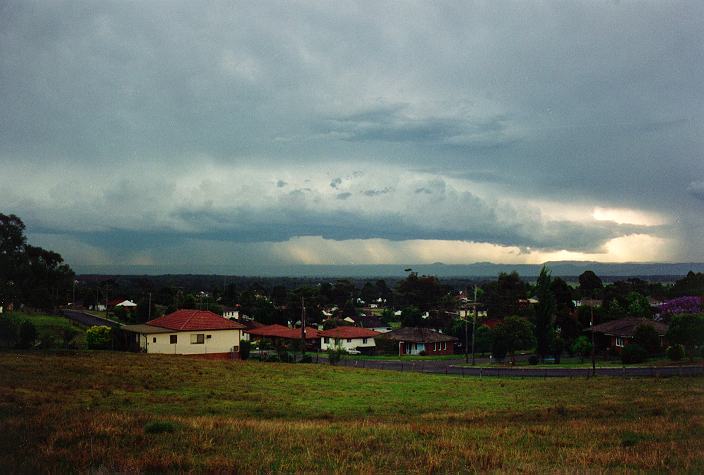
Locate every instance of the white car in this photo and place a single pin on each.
(353, 351)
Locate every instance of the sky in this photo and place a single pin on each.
(195, 134)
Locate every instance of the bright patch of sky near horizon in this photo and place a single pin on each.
(365, 132)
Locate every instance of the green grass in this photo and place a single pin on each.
(53, 326)
(576, 363)
(403, 358)
(105, 411)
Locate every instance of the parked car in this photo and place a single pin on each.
(353, 351)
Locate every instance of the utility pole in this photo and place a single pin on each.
(107, 289)
(466, 340)
(474, 322)
(149, 312)
(303, 327)
(591, 325)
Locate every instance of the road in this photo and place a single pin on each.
(452, 367)
(87, 319)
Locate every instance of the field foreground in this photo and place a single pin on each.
(126, 412)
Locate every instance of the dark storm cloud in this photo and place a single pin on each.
(575, 104)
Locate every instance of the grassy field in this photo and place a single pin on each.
(103, 411)
(53, 326)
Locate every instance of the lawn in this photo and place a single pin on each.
(55, 327)
(570, 362)
(108, 411)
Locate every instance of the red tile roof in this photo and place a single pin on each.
(185, 320)
(349, 332)
(280, 331)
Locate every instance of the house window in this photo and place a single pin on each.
(619, 341)
(209, 336)
(364, 341)
(435, 347)
(445, 346)
(154, 340)
(173, 339)
(349, 340)
(325, 340)
(197, 339)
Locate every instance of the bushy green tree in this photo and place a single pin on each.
(647, 337)
(27, 334)
(675, 352)
(633, 353)
(9, 330)
(514, 333)
(582, 347)
(544, 313)
(99, 337)
(688, 331)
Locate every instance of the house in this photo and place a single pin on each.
(372, 323)
(231, 313)
(348, 338)
(279, 334)
(128, 304)
(413, 341)
(188, 332)
(618, 333)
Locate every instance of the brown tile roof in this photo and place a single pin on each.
(626, 327)
(280, 331)
(185, 320)
(416, 335)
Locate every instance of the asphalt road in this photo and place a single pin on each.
(87, 319)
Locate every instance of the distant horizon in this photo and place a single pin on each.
(474, 270)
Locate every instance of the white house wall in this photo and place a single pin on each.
(220, 341)
(346, 343)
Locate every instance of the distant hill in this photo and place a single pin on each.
(480, 269)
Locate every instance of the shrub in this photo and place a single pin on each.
(99, 337)
(306, 359)
(498, 349)
(675, 352)
(27, 334)
(422, 353)
(687, 330)
(633, 353)
(159, 427)
(647, 337)
(533, 360)
(334, 356)
(582, 347)
(245, 349)
(9, 330)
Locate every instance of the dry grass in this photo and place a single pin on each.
(122, 412)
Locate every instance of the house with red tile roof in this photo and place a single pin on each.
(188, 332)
(348, 338)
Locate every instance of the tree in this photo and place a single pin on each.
(514, 333)
(582, 347)
(647, 337)
(638, 305)
(483, 339)
(27, 334)
(688, 331)
(99, 337)
(30, 274)
(9, 329)
(412, 317)
(502, 296)
(544, 313)
(589, 284)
